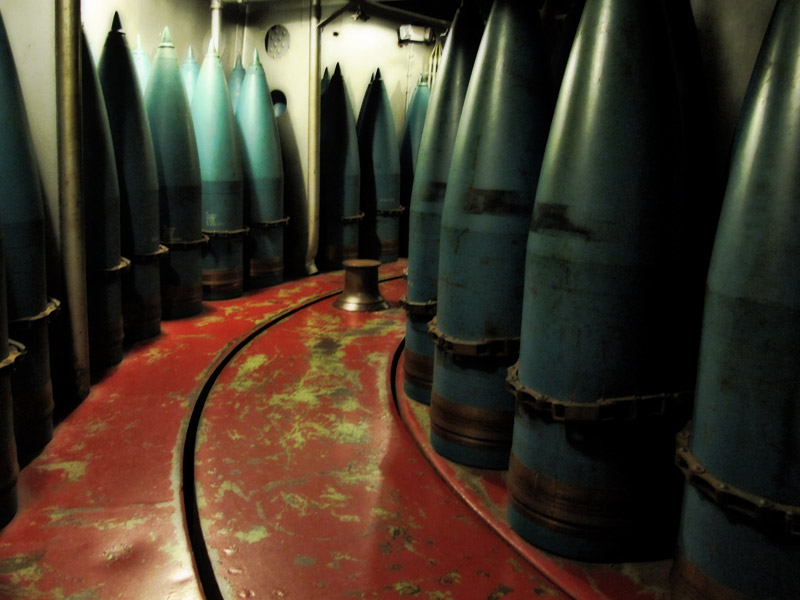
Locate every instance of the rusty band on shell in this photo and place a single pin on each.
(149, 257)
(419, 310)
(390, 212)
(623, 408)
(16, 350)
(487, 347)
(50, 311)
(573, 509)
(123, 265)
(763, 511)
(471, 426)
(230, 233)
(352, 219)
(269, 224)
(418, 368)
(186, 245)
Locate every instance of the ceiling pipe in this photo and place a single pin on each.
(216, 22)
(370, 8)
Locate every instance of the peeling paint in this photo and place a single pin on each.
(406, 588)
(256, 534)
(206, 321)
(231, 486)
(74, 470)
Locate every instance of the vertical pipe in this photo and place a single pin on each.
(312, 184)
(216, 22)
(68, 86)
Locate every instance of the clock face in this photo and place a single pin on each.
(277, 41)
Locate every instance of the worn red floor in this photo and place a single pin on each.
(100, 510)
(312, 488)
(309, 483)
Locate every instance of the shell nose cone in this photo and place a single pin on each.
(166, 39)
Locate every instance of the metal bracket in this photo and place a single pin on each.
(109, 274)
(765, 512)
(269, 224)
(390, 212)
(183, 245)
(486, 347)
(352, 219)
(419, 310)
(622, 408)
(51, 310)
(16, 350)
(233, 233)
(139, 259)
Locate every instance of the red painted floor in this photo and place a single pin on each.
(312, 488)
(309, 483)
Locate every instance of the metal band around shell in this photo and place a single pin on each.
(390, 212)
(419, 310)
(622, 408)
(50, 311)
(487, 347)
(123, 265)
(352, 219)
(185, 245)
(16, 350)
(270, 224)
(765, 512)
(149, 257)
(221, 233)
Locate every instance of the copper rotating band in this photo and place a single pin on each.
(418, 368)
(262, 267)
(222, 277)
(471, 426)
(571, 509)
(690, 583)
(486, 347)
(178, 296)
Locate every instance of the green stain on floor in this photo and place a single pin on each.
(305, 561)
(244, 379)
(73, 470)
(230, 486)
(351, 433)
(256, 534)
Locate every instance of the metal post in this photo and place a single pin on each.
(313, 134)
(68, 86)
